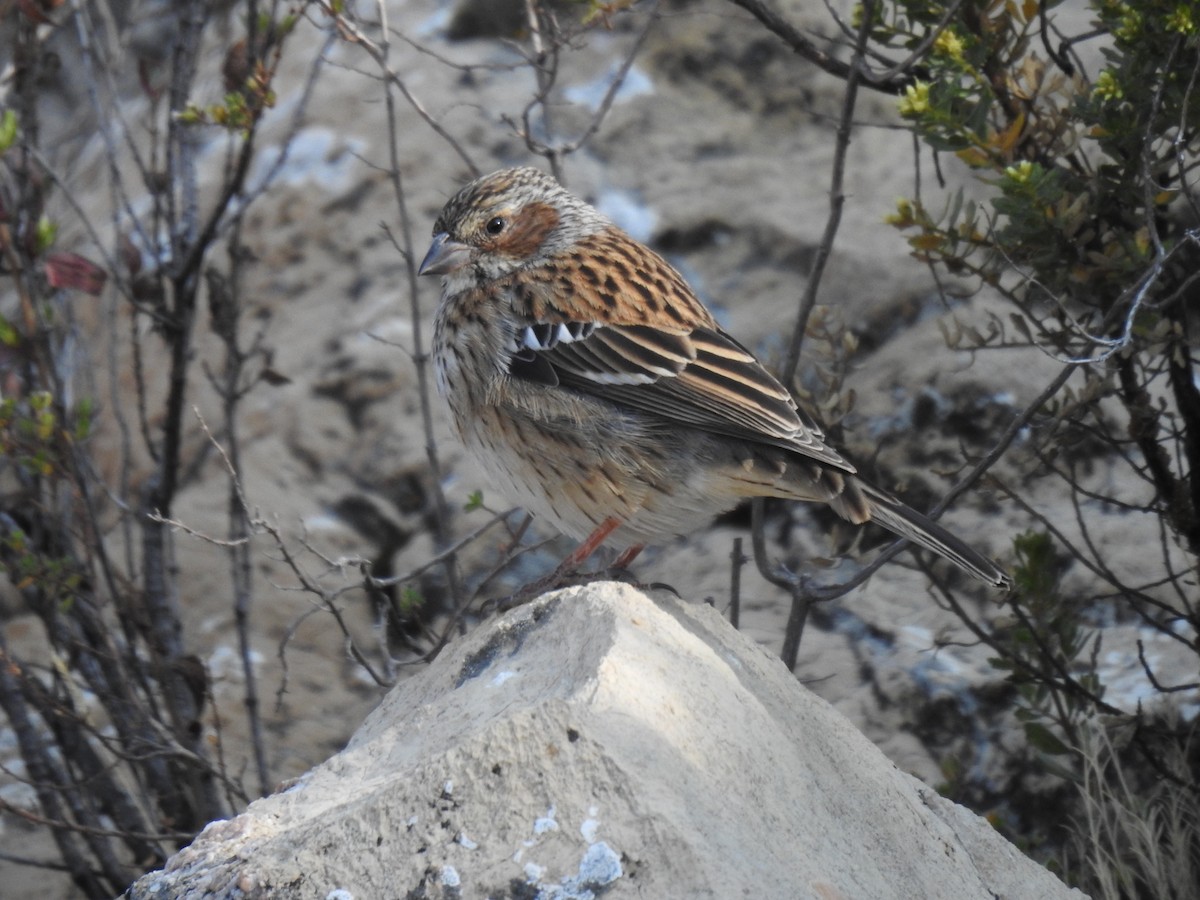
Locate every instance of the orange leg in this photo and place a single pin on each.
(566, 572)
(628, 556)
(590, 543)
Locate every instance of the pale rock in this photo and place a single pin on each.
(600, 741)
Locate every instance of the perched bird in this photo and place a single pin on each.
(599, 392)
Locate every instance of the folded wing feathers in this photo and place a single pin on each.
(650, 350)
(757, 397)
(611, 357)
(702, 378)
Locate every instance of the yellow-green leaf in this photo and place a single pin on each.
(47, 231)
(8, 130)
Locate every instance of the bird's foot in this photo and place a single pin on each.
(559, 578)
(564, 578)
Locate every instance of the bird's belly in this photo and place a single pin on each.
(573, 475)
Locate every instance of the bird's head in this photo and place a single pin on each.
(504, 222)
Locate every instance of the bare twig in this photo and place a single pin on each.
(546, 43)
(1159, 686)
(354, 34)
(327, 603)
(737, 559)
(837, 198)
(802, 46)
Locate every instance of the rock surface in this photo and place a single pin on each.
(595, 741)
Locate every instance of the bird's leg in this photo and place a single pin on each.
(567, 571)
(589, 545)
(628, 556)
(618, 570)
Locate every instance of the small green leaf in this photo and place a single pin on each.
(8, 334)
(474, 501)
(1042, 738)
(47, 231)
(410, 600)
(8, 130)
(83, 418)
(192, 115)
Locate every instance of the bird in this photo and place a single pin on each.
(599, 392)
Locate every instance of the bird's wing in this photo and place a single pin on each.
(615, 320)
(699, 377)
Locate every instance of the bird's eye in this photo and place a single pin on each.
(495, 226)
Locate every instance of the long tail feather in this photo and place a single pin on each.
(908, 523)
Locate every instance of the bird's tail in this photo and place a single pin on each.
(908, 523)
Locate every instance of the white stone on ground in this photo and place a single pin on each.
(598, 740)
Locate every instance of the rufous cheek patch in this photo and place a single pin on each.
(530, 228)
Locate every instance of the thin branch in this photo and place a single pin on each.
(447, 553)
(737, 559)
(327, 604)
(802, 46)
(837, 198)
(353, 34)
(1159, 686)
(614, 87)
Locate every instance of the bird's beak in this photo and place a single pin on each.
(444, 256)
